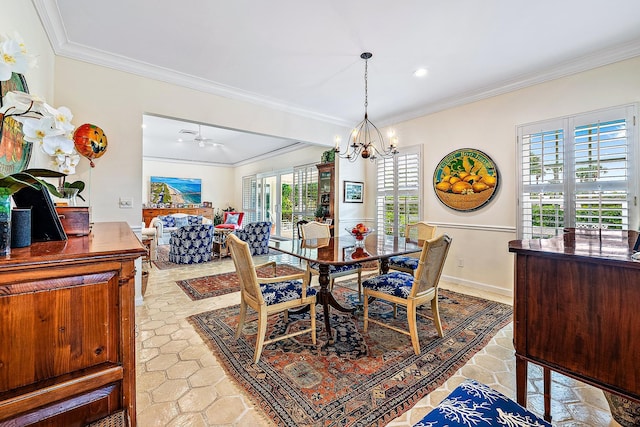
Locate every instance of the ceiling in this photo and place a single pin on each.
(304, 57)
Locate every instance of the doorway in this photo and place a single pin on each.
(275, 202)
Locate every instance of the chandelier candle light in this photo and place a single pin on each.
(365, 135)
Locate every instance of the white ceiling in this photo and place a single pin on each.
(304, 57)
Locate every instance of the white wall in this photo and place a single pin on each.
(116, 101)
(480, 238)
(218, 183)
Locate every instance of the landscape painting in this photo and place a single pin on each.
(175, 190)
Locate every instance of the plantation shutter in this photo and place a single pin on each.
(542, 179)
(576, 172)
(601, 172)
(305, 191)
(249, 198)
(398, 191)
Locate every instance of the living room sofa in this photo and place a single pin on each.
(165, 224)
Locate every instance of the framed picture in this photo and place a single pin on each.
(328, 221)
(175, 190)
(466, 179)
(353, 192)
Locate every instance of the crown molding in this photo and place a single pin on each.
(597, 59)
(54, 27)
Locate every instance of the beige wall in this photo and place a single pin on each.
(480, 238)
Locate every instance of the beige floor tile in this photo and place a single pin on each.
(181, 383)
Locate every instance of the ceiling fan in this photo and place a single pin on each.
(202, 141)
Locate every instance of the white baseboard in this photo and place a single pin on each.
(479, 286)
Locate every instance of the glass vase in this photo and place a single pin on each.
(5, 221)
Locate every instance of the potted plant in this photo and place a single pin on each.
(319, 214)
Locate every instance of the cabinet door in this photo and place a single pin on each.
(57, 326)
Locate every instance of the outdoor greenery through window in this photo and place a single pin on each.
(399, 189)
(576, 172)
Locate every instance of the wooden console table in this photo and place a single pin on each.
(576, 310)
(149, 213)
(67, 352)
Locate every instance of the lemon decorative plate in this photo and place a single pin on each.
(466, 179)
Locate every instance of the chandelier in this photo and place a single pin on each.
(365, 136)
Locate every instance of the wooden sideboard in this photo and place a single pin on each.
(67, 319)
(576, 309)
(149, 213)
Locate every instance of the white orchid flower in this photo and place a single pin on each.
(67, 163)
(12, 59)
(35, 130)
(55, 145)
(19, 102)
(63, 118)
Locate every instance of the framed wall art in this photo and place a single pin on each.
(169, 191)
(353, 192)
(466, 179)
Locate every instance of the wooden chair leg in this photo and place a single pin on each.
(435, 312)
(241, 319)
(413, 327)
(262, 331)
(360, 285)
(366, 312)
(312, 313)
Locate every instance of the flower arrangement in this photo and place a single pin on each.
(49, 127)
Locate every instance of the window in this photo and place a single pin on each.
(576, 172)
(305, 191)
(399, 189)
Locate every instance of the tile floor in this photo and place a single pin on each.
(181, 383)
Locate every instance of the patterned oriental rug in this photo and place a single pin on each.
(363, 379)
(224, 283)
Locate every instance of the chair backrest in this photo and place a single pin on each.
(419, 232)
(241, 255)
(432, 258)
(315, 230)
(299, 225)
(240, 218)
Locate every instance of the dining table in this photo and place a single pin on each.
(343, 250)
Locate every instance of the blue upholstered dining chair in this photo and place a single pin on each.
(269, 295)
(318, 230)
(411, 290)
(415, 232)
(191, 244)
(257, 235)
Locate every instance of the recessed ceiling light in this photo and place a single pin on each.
(420, 72)
(144, 126)
(179, 139)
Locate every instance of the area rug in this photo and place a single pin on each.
(361, 380)
(224, 283)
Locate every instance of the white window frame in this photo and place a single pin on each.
(568, 188)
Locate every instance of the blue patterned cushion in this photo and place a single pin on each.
(257, 235)
(194, 219)
(335, 269)
(274, 293)
(475, 404)
(403, 262)
(168, 220)
(191, 244)
(395, 283)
